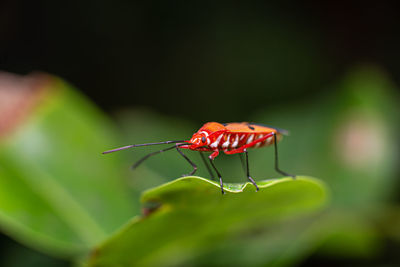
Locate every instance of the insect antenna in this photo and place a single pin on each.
(147, 144)
(140, 161)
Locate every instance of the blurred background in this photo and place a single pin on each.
(154, 71)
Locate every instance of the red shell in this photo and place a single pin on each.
(228, 137)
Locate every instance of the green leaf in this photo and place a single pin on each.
(189, 216)
(58, 194)
(349, 138)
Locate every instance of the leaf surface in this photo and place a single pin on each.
(58, 194)
(189, 216)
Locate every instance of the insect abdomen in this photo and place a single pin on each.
(228, 141)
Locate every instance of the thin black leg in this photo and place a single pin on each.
(207, 166)
(276, 160)
(242, 162)
(219, 175)
(248, 171)
(134, 166)
(188, 160)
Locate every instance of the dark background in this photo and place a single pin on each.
(203, 61)
(172, 56)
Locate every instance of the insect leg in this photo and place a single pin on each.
(276, 160)
(207, 166)
(188, 160)
(219, 176)
(242, 161)
(247, 170)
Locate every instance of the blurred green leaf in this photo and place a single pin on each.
(189, 216)
(348, 137)
(388, 220)
(17, 255)
(58, 194)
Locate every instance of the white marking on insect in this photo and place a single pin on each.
(227, 142)
(204, 132)
(259, 137)
(215, 144)
(250, 139)
(236, 142)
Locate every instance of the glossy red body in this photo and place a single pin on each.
(232, 138)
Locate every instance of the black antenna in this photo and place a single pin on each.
(158, 152)
(147, 144)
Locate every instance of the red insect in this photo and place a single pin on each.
(231, 138)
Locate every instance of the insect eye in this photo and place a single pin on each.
(203, 139)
